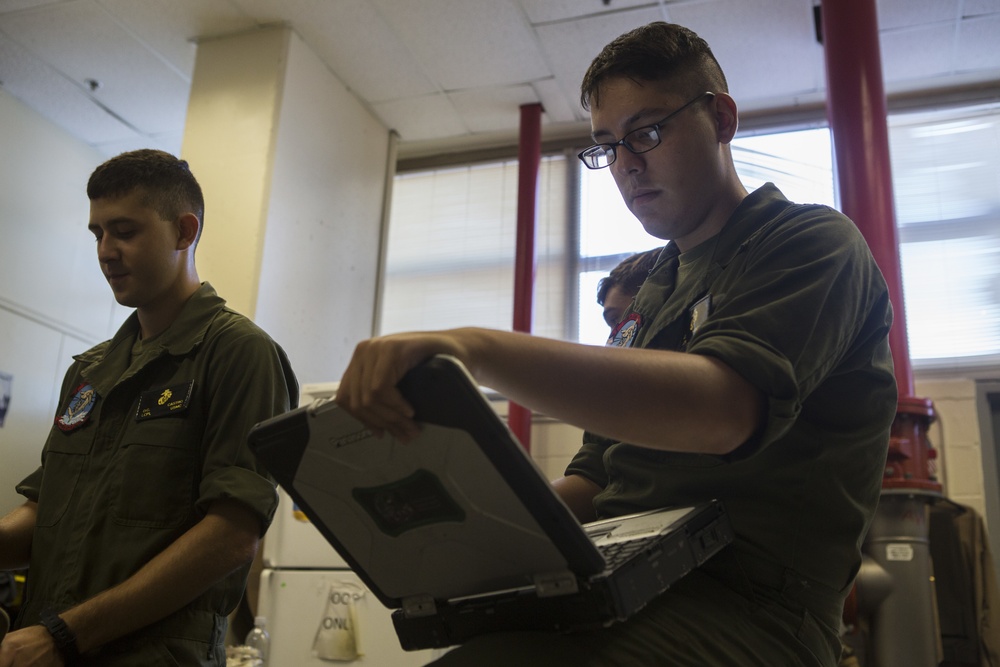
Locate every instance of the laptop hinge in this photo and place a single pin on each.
(419, 605)
(555, 583)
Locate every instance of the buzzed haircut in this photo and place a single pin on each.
(656, 52)
(629, 275)
(167, 184)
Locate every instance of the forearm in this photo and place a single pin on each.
(655, 398)
(223, 541)
(578, 494)
(16, 530)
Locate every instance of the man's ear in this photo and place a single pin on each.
(187, 226)
(726, 117)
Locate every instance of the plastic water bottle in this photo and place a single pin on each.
(259, 640)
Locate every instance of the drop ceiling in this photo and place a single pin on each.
(444, 73)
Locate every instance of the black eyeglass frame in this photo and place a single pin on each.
(612, 148)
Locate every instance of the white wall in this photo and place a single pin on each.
(316, 293)
(957, 435)
(54, 302)
(294, 170)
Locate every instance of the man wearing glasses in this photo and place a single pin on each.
(753, 366)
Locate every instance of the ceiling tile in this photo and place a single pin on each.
(907, 13)
(422, 118)
(785, 43)
(976, 45)
(558, 109)
(372, 62)
(494, 47)
(915, 53)
(54, 97)
(80, 40)
(492, 109)
(169, 27)
(570, 46)
(980, 7)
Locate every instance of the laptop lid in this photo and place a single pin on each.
(460, 511)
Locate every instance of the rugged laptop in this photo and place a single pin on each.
(459, 531)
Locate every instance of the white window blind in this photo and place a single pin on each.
(800, 163)
(452, 232)
(451, 249)
(946, 178)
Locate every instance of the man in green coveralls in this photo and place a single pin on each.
(752, 367)
(616, 290)
(141, 523)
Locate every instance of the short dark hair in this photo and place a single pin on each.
(628, 275)
(168, 185)
(655, 52)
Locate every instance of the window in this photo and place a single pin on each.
(451, 245)
(799, 163)
(452, 231)
(946, 177)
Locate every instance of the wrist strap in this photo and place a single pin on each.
(64, 638)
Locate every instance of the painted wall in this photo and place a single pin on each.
(294, 172)
(229, 140)
(957, 433)
(316, 293)
(54, 302)
(319, 183)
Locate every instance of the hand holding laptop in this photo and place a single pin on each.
(368, 389)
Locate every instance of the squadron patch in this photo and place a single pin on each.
(78, 411)
(166, 401)
(623, 335)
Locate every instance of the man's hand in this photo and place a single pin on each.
(29, 647)
(368, 388)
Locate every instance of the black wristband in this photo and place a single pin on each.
(64, 638)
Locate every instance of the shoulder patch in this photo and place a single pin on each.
(78, 411)
(623, 335)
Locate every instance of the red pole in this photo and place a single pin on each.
(529, 156)
(857, 112)
(903, 626)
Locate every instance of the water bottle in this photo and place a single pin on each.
(259, 641)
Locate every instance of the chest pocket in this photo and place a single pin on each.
(65, 457)
(158, 474)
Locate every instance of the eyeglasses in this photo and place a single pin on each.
(637, 141)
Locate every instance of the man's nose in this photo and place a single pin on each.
(107, 249)
(628, 162)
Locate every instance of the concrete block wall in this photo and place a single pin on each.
(957, 437)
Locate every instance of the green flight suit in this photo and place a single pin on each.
(790, 297)
(146, 438)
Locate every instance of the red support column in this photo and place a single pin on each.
(529, 156)
(904, 631)
(857, 112)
